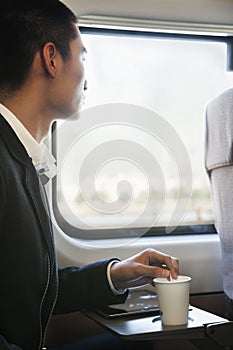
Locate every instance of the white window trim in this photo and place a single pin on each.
(155, 26)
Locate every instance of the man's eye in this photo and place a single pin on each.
(84, 55)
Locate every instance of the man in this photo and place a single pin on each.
(42, 79)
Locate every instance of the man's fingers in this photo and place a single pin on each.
(155, 271)
(172, 265)
(157, 258)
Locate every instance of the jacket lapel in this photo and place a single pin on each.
(32, 182)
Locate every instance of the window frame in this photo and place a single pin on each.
(99, 234)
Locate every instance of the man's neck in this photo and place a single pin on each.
(30, 116)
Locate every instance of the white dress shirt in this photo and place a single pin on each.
(42, 159)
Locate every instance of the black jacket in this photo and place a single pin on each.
(31, 286)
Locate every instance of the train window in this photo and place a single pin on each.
(133, 163)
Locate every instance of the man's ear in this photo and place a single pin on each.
(49, 59)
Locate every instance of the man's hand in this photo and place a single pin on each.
(142, 268)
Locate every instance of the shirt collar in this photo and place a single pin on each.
(42, 159)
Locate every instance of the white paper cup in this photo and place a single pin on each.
(173, 299)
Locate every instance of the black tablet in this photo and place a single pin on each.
(110, 312)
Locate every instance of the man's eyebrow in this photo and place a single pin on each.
(84, 51)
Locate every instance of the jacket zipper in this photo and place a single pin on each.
(50, 315)
(42, 336)
(42, 300)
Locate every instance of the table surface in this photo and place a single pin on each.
(141, 328)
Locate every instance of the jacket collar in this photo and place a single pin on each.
(12, 142)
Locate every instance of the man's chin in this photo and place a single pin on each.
(75, 116)
(73, 113)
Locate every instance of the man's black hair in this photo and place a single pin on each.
(25, 27)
